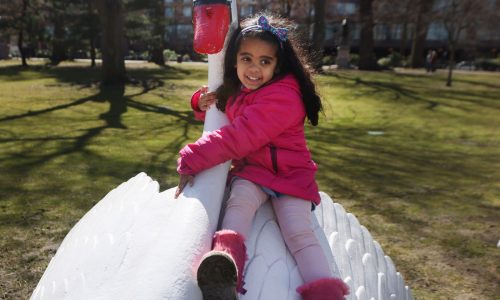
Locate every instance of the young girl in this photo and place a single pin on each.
(267, 93)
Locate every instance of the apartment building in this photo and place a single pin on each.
(179, 16)
(387, 34)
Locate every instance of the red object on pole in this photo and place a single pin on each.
(214, 15)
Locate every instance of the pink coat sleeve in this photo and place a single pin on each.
(273, 111)
(198, 114)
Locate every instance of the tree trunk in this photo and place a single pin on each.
(158, 33)
(366, 55)
(58, 45)
(417, 58)
(318, 39)
(92, 33)
(404, 39)
(113, 42)
(92, 52)
(309, 20)
(20, 37)
(451, 64)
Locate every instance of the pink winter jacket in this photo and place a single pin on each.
(265, 139)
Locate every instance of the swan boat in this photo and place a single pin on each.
(140, 243)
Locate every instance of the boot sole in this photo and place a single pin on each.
(217, 276)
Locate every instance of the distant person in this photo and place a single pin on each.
(267, 93)
(433, 60)
(428, 61)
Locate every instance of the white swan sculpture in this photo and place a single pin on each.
(138, 243)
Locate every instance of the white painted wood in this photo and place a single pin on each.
(355, 259)
(368, 242)
(400, 286)
(380, 258)
(383, 292)
(342, 222)
(361, 293)
(370, 273)
(356, 231)
(326, 229)
(408, 294)
(392, 279)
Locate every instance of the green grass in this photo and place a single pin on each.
(428, 189)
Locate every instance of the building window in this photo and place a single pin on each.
(246, 10)
(355, 31)
(381, 32)
(169, 12)
(346, 9)
(437, 32)
(329, 31)
(396, 32)
(186, 11)
(185, 31)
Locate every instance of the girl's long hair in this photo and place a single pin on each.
(291, 59)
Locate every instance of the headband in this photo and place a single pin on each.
(263, 24)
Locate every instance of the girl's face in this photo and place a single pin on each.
(256, 62)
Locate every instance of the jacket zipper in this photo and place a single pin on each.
(274, 158)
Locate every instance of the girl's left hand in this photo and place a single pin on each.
(183, 181)
(206, 98)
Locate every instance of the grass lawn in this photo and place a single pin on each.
(416, 162)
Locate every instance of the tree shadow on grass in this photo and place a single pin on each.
(413, 169)
(417, 188)
(25, 162)
(477, 83)
(73, 74)
(397, 90)
(118, 105)
(420, 92)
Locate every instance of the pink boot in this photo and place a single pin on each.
(220, 274)
(324, 289)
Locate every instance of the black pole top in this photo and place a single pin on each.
(202, 2)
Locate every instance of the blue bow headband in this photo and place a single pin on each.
(263, 24)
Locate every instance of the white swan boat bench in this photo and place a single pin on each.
(138, 243)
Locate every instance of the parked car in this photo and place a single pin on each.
(466, 65)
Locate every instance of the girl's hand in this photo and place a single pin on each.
(206, 98)
(183, 181)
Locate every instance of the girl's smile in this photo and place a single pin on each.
(256, 62)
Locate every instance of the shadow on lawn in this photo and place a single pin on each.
(27, 160)
(415, 171)
(118, 105)
(73, 74)
(432, 97)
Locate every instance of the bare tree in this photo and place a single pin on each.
(367, 59)
(422, 21)
(22, 27)
(457, 16)
(92, 31)
(396, 13)
(58, 14)
(111, 14)
(14, 19)
(318, 38)
(158, 39)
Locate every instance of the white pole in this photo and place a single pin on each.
(203, 200)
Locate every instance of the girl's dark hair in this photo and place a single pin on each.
(291, 59)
